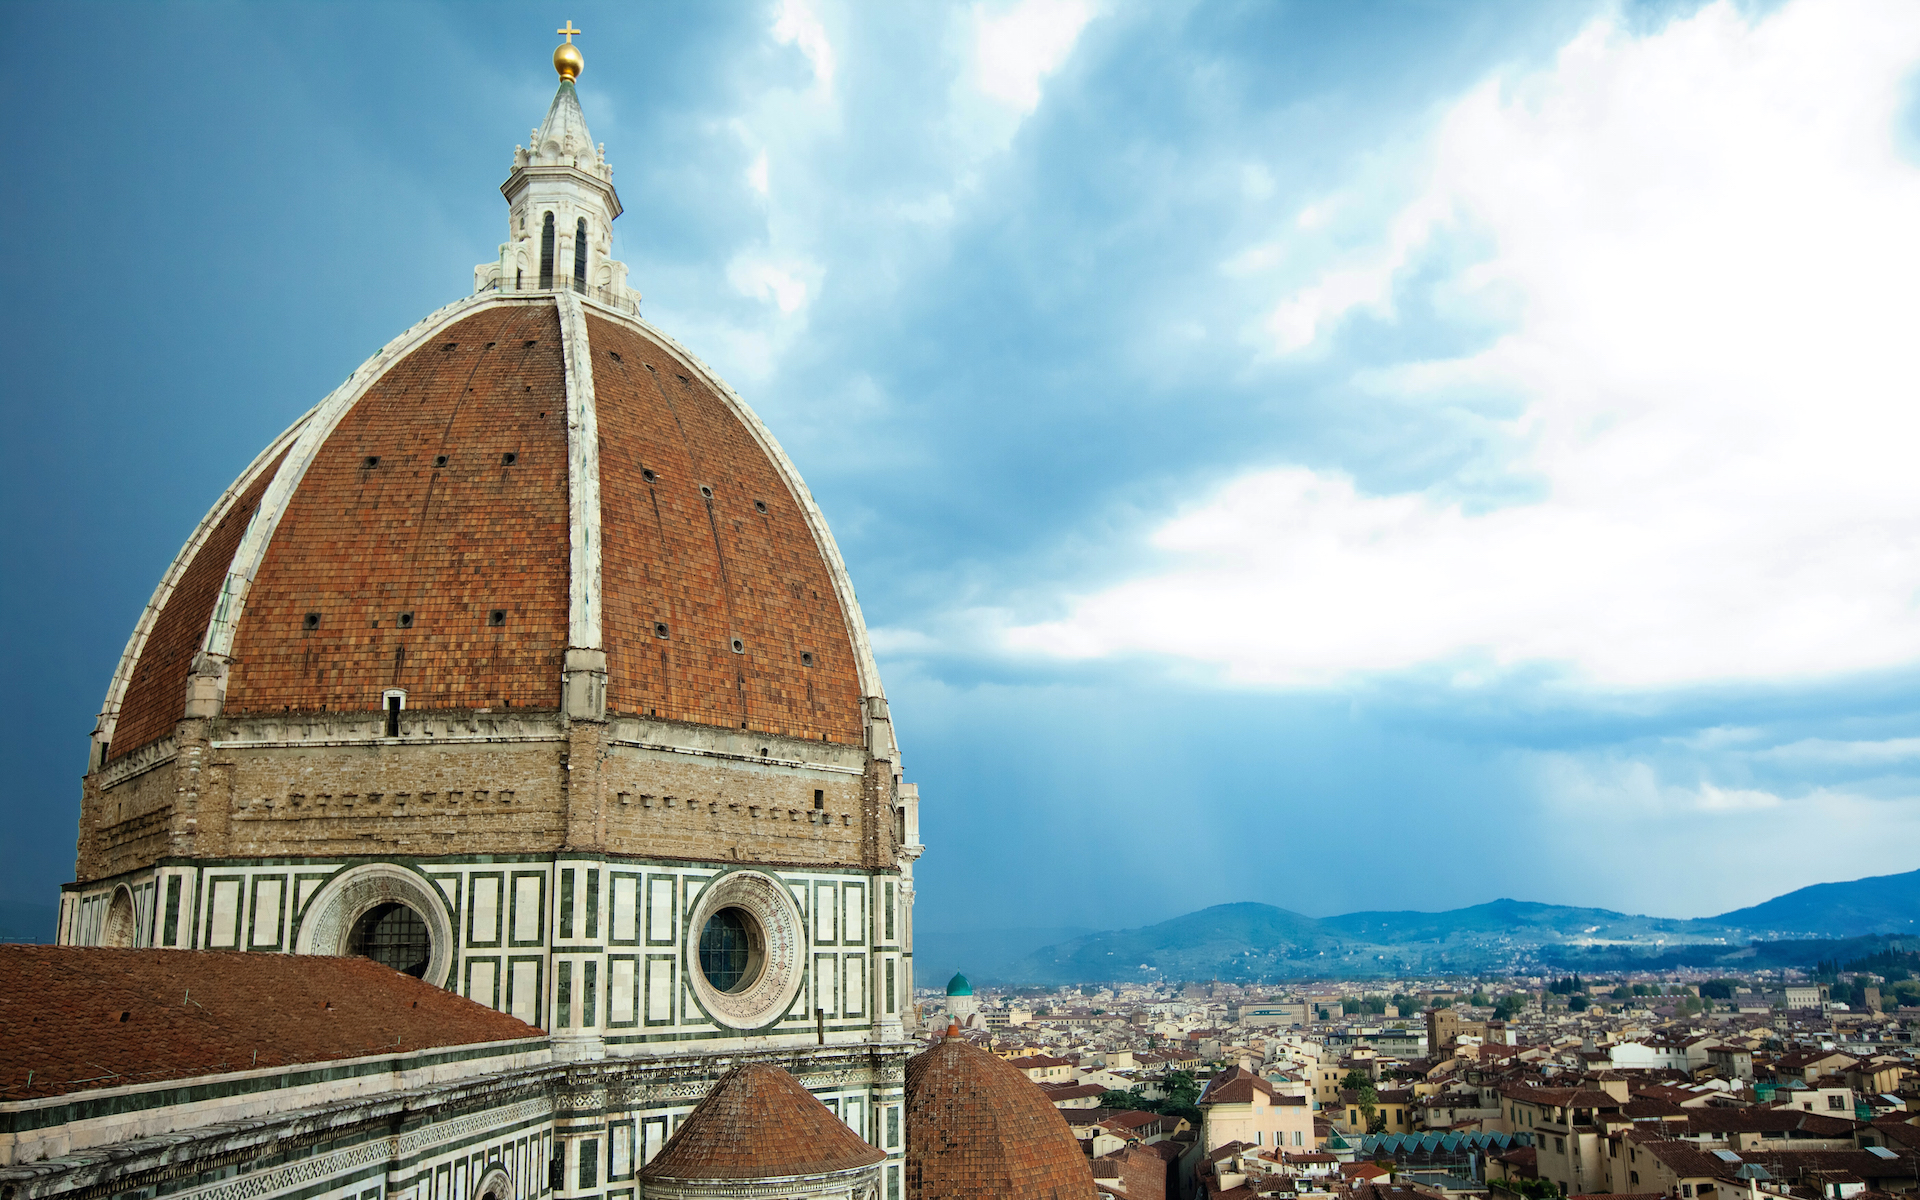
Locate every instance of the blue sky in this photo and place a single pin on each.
(1344, 456)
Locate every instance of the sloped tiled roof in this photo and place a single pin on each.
(976, 1127)
(759, 1123)
(83, 1018)
(1235, 1086)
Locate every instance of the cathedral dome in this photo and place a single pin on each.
(758, 1123)
(977, 1126)
(958, 986)
(527, 639)
(517, 487)
(529, 491)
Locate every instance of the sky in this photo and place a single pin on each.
(1345, 456)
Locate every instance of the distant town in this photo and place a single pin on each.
(1685, 1085)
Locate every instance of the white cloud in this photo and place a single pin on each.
(1017, 47)
(1706, 239)
(798, 25)
(1812, 752)
(784, 283)
(1646, 830)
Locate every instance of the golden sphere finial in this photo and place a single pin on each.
(566, 58)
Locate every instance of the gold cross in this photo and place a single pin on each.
(569, 31)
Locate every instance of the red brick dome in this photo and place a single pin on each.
(759, 1123)
(977, 1126)
(514, 487)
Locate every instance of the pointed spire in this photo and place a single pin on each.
(563, 138)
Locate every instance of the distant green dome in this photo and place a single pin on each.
(958, 986)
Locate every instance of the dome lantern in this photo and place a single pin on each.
(561, 205)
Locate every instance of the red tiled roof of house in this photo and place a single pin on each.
(1139, 1172)
(976, 1126)
(1235, 1086)
(83, 1018)
(759, 1123)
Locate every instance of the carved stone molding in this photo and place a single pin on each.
(329, 919)
(769, 906)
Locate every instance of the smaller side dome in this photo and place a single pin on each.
(757, 1123)
(977, 1126)
(958, 986)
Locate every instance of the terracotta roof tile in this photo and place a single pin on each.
(737, 560)
(156, 695)
(759, 1123)
(82, 1018)
(449, 543)
(976, 1127)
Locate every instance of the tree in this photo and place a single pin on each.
(1367, 1100)
(1115, 1098)
(1623, 992)
(1479, 999)
(1577, 1002)
(1718, 989)
(1181, 1091)
(1355, 1080)
(1509, 1006)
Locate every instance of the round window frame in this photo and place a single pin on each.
(327, 921)
(769, 907)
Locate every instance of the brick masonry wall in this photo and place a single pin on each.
(156, 694)
(711, 568)
(361, 545)
(400, 800)
(477, 798)
(125, 827)
(665, 806)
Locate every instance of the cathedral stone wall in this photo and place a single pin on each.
(669, 805)
(483, 798)
(479, 782)
(127, 826)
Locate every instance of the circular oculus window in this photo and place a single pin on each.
(744, 940)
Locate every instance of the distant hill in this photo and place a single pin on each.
(1254, 942)
(1554, 921)
(1249, 936)
(1877, 904)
